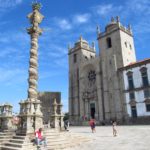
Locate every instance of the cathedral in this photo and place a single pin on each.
(96, 83)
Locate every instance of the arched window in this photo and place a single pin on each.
(130, 47)
(144, 76)
(147, 104)
(130, 80)
(75, 58)
(146, 93)
(131, 95)
(125, 44)
(108, 41)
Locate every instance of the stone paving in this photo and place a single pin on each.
(129, 138)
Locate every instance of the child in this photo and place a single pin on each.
(92, 124)
(114, 124)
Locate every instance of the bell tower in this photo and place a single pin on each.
(80, 53)
(116, 46)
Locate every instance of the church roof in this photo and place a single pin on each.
(135, 64)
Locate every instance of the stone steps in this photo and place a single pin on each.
(55, 141)
(15, 143)
(9, 148)
(17, 140)
(11, 144)
(5, 137)
(19, 137)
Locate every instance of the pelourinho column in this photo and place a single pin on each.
(30, 112)
(35, 19)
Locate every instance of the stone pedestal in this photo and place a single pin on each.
(61, 116)
(6, 117)
(57, 117)
(31, 116)
(55, 121)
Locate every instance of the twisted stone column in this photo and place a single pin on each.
(33, 68)
(35, 19)
(31, 115)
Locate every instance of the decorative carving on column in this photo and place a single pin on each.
(30, 109)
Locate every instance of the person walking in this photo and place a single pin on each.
(92, 124)
(66, 125)
(114, 124)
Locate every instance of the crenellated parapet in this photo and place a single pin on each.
(81, 44)
(113, 26)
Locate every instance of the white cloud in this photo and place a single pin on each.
(6, 51)
(9, 76)
(139, 6)
(142, 27)
(82, 18)
(45, 75)
(103, 9)
(62, 62)
(13, 36)
(64, 24)
(9, 3)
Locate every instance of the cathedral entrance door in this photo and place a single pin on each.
(92, 108)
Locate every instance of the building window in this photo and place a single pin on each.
(144, 76)
(130, 46)
(130, 80)
(133, 111)
(110, 62)
(92, 75)
(86, 57)
(109, 44)
(147, 107)
(146, 93)
(131, 95)
(125, 44)
(75, 58)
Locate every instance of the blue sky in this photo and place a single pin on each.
(65, 21)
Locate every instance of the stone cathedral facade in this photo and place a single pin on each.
(95, 84)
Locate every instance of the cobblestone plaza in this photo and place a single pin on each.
(129, 138)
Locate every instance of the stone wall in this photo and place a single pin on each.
(47, 99)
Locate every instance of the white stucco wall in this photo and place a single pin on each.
(139, 94)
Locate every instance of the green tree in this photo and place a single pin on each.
(66, 116)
